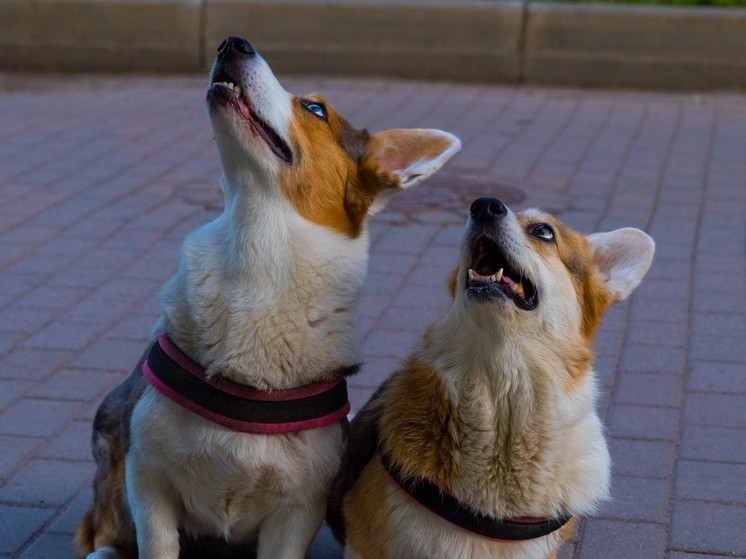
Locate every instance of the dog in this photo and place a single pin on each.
(486, 443)
(216, 434)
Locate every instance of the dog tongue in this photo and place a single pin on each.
(243, 108)
(507, 281)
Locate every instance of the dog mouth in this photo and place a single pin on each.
(224, 89)
(492, 275)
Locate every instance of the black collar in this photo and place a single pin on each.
(240, 407)
(451, 510)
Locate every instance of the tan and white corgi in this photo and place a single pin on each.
(262, 308)
(486, 443)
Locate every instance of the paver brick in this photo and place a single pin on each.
(112, 355)
(10, 390)
(713, 324)
(52, 297)
(46, 482)
(74, 384)
(724, 410)
(32, 364)
(637, 499)
(617, 539)
(661, 359)
(25, 319)
(51, 545)
(731, 349)
(16, 449)
(36, 418)
(644, 422)
(713, 443)
(724, 532)
(71, 444)
(68, 520)
(18, 524)
(640, 458)
(711, 481)
(717, 377)
(62, 334)
(658, 333)
(687, 555)
(650, 390)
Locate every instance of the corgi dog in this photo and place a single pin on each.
(216, 433)
(486, 443)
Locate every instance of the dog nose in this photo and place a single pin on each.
(487, 209)
(233, 45)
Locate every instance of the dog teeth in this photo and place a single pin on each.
(231, 86)
(518, 288)
(499, 275)
(473, 276)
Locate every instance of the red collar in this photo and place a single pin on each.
(239, 407)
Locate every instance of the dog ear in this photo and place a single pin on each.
(622, 258)
(401, 158)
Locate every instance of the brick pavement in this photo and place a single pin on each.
(100, 178)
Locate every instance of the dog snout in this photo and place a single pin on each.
(235, 46)
(487, 209)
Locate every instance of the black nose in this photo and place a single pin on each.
(487, 209)
(235, 45)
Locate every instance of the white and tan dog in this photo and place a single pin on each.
(486, 444)
(265, 296)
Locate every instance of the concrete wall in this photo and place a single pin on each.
(631, 46)
(512, 41)
(100, 35)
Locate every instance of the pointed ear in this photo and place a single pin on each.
(402, 158)
(622, 258)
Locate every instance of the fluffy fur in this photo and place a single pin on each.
(497, 405)
(266, 296)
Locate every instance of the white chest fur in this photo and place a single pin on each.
(226, 482)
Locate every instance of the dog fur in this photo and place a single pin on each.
(496, 407)
(265, 296)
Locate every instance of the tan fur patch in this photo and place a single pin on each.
(323, 183)
(420, 427)
(108, 522)
(573, 251)
(368, 522)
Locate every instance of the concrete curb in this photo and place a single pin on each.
(629, 46)
(512, 41)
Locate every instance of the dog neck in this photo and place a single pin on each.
(264, 297)
(509, 428)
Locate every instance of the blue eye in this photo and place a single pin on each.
(317, 109)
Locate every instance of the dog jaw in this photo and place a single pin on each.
(250, 112)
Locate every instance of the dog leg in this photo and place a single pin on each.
(154, 512)
(289, 533)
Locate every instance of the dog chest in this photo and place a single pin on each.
(228, 482)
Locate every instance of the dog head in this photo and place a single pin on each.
(280, 144)
(531, 274)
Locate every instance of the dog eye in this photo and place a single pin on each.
(542, 231)
(316, 108)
